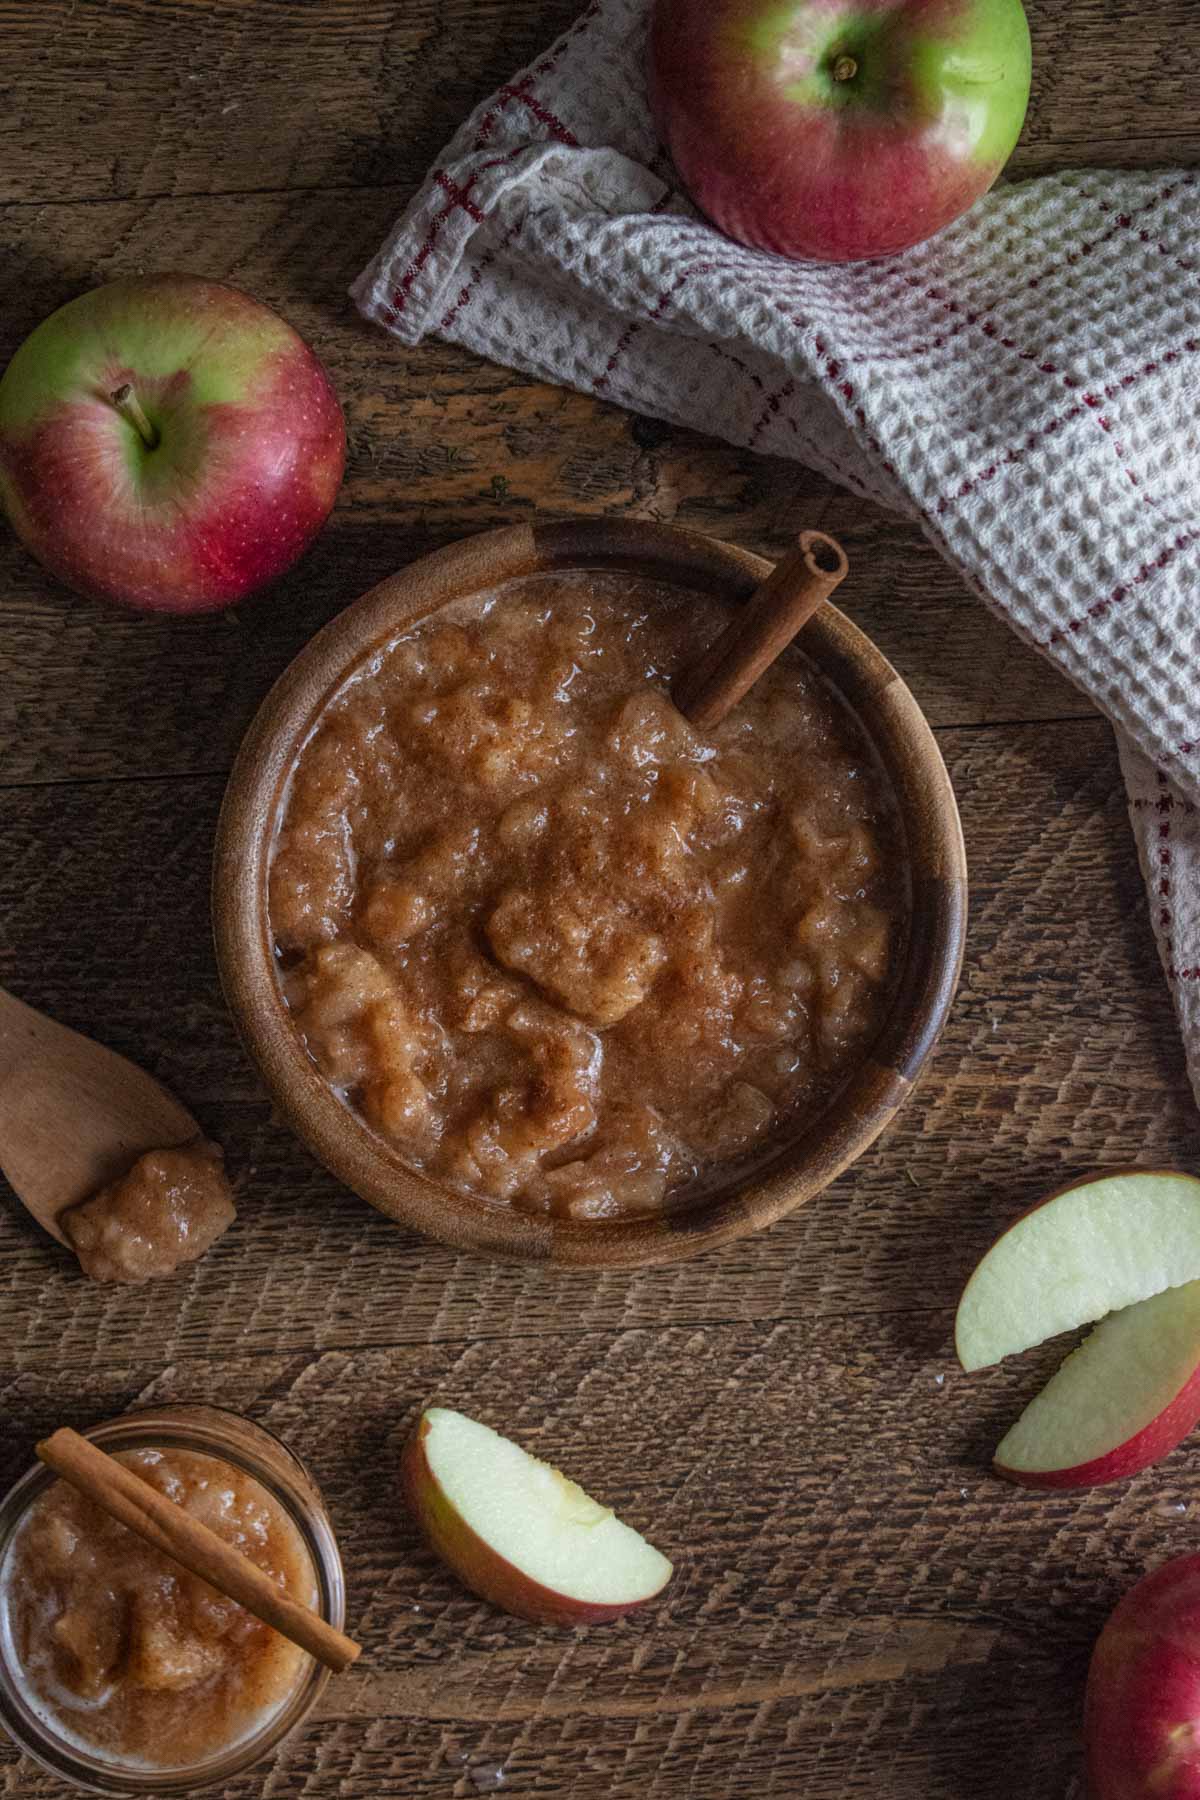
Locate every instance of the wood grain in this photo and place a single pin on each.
(844, 1604)
(861, 1609)
(182, 96)
(440, 445)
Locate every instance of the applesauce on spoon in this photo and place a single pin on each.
(167, 1210)
(559, 948)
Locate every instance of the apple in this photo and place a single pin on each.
(1127, 1396)
(517, 1532)
(838, 129)
(1142, 1712)
(1093, 1248)
(169, 443)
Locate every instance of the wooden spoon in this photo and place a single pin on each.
(73, 1115)
(762, 628)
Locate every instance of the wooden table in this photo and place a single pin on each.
(860, 1609)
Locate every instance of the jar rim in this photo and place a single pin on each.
(204, 1430)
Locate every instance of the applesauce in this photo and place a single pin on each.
(120, 1651)
(167, 1210)
(559, 948)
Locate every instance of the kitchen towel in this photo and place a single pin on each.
(1026, 385)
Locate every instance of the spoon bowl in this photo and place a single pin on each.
(73, 1114)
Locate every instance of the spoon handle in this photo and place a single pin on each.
(706, 690)
(15, 1022)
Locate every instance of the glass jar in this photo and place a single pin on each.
(208, 1431)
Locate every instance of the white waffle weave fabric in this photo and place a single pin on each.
(1026, 385)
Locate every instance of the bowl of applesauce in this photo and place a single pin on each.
(538, 968)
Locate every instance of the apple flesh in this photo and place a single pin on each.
(1142, 1713)
(517, 1532)
(169, 443)
(1126, 1397)
(838, 129)
(1098, 1246)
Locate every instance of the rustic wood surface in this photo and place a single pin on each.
(860, 1608)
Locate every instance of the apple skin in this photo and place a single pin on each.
(250, 455)
(1142, 1712)
(784, 155)
(476, 1564)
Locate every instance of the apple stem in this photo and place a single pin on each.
(845, 69)
(130, 407)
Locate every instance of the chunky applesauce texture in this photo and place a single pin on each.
(559, 948)
(125, 1654)
(167, 1210)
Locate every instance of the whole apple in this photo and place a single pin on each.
(168, 443)
(1142, 1715)
(836, 130)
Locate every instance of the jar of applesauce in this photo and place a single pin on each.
(119, 1671)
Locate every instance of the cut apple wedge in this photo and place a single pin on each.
(1094, 1248)
(517, 1532)
(1127, 1396)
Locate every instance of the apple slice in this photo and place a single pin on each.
(1130, 1393)
(1089, 1249)
(517, 1532)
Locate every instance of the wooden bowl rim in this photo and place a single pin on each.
(795, 1170)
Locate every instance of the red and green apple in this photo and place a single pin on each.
(517, 1532)
(836, 130)
(169, 443)
(1142, 1713)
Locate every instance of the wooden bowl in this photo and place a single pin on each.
(796, 1169)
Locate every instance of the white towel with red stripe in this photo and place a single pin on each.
(1027, 385)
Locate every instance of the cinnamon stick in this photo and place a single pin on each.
(762, 628)
(159, 1521)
